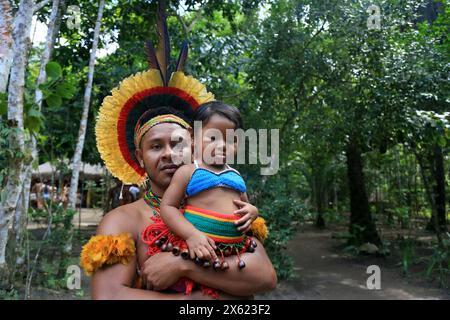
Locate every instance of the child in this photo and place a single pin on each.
(212, 222)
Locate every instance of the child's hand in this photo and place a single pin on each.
(248, 212)
(202, 247)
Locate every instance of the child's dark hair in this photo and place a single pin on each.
(205, 111)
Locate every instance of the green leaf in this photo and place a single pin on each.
(53, 70)
(447, 133)
(34, 120)
(44, 86)
(54, 101)
(34, 113)
(65, 90)
(442, 141)
(33, 124)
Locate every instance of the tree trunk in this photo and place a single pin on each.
(4, 272)
(362, 227)
(31, 146)
(438, 172)
(15, 242)
(6, 43)
(427, 172)
(16, 173)
(52, 31)
(320, 221)
(336, 198)
(76, 162)
(440, 186)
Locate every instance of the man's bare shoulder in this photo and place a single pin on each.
(122, 219)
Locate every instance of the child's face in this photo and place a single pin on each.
(214, 144)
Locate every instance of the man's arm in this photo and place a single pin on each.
(115, 281)
(258, 276)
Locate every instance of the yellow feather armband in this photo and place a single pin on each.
(101, 250)
(259, 229)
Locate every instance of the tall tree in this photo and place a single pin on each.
(76, 161)
(436, 32)
(5, 43)
(31, 145)
(16, 173)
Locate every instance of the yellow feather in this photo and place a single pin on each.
(106, 126)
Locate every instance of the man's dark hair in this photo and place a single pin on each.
(205, 111)
(162, 111)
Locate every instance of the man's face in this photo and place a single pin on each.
(158, 150)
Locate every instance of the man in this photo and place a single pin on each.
(135, 151)
(164, 269)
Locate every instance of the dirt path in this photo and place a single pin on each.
(324, 272)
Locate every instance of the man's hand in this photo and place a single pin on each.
(162, 271)
(248, 213)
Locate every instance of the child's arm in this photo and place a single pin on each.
(247, 211)
(199, 244)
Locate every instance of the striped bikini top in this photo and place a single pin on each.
(203, 179)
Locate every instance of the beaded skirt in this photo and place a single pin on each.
(218, 226)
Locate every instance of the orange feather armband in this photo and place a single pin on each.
(259, 229)
(106, 250)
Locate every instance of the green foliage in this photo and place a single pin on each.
(408, 254)
(60, 217)
(439, 264)
(9, 294)
(54, 257)
(283, 215)
(5, 153)
(334, 218)
(53, 71)
(56, 88)
(80, 294)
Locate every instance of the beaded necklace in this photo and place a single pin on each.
(153, 201)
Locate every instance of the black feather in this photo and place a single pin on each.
(151, 55)
(163, 52)
(183, 56)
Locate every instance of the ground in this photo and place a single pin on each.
(323, 270)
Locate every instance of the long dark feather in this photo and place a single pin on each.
(151, 55)
(183, 56)
(163, 52)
